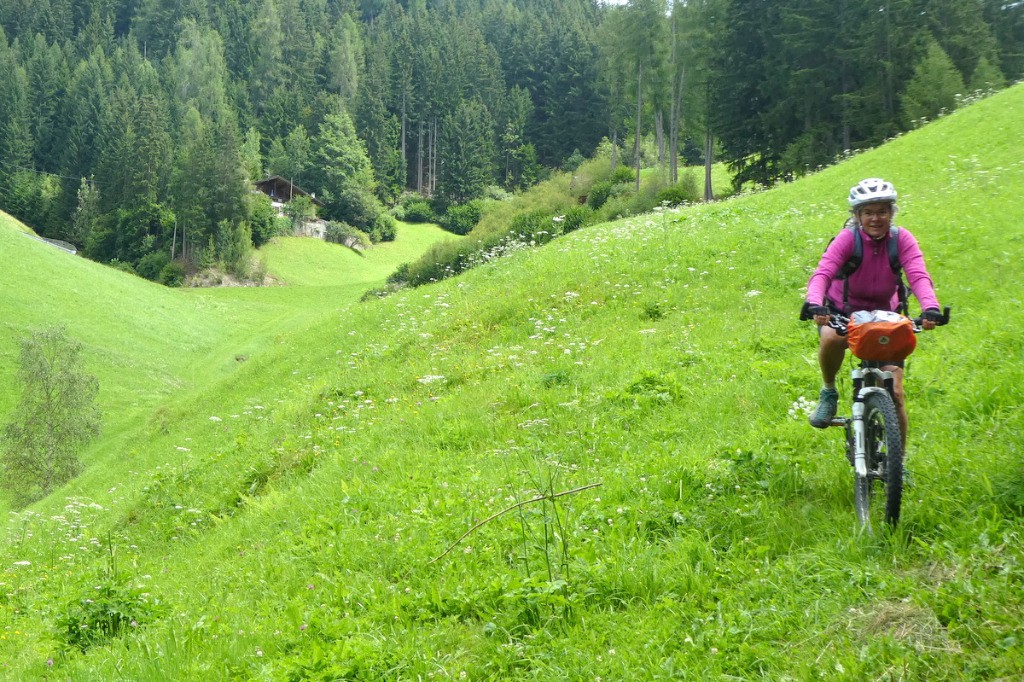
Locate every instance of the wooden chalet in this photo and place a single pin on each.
(281, 191)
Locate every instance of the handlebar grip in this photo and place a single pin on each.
(943, 320)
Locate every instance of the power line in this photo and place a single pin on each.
(42, 172)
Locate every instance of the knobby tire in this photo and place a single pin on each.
(884, 453)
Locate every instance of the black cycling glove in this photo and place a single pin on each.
(932, 315)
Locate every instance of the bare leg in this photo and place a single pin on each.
(831, 351)
(901, 404)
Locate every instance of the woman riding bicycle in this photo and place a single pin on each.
(874, 284)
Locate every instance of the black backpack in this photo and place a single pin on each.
(851, 265)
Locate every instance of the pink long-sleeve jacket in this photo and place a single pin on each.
(873, 285)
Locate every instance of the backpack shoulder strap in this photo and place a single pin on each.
(854, 261)
(897, 268)
(894, 250)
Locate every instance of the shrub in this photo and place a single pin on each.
(173, 274)
(356, 206)
(385, 229)
(647, 198)
(599, 194)
(461, 218)
(449, 258)
(623, 174)
(619, 205)
(577, 217)
(418, 211)
(496, 193)
(400, 275)
(535, 226)
(684, 191)
(103, 613)
(152, 264)
(265, 223)
(343, 233)
(257, 271)
(442, 260)
(397, 212)
(573, 161)
(122, 266)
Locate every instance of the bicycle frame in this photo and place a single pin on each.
(866, 380)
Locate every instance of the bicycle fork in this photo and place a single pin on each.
(860, 393)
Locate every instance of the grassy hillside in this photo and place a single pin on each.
(144, 342)
(291, 522)
(309, 262)
(151, 346)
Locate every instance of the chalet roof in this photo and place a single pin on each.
(284, 190)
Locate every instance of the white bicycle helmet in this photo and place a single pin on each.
(872, 191)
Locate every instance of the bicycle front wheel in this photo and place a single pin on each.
(884, 455)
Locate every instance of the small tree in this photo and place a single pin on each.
(934, 87)
(301, 210)
(985, 77)
(55, 417)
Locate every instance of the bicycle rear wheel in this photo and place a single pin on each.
(884, 454)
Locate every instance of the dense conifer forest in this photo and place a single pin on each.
(135, 129)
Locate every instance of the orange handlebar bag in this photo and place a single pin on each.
(881, 335)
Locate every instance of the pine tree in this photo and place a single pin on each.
(467, 153)
(934, 88)
(377, 126)
(84, 109)
(748, 81)
(291, 158)
(570, 110)
(960, 29)
(1006, 20)
(344, 59)
(343, 173)
(986, 77)
(48, 77)
(15, 122)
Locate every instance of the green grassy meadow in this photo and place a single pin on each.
(302, 513)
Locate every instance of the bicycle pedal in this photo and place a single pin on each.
(839, 421)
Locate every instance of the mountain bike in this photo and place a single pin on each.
(874, 444)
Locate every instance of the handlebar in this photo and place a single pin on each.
(839, 321)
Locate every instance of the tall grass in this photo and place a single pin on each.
(284, 523)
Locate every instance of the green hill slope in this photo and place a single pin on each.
(310, 262)
(292, 524)
(144, 342)
(152, 347)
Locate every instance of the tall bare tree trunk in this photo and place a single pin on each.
(709, 147)
(436, 145)
(675, 105)
(419, 160)
(639, 110)
(659, 135)
(890, 98)
(430, 158)
(404, 159)
(673, 146)
(674, 124)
